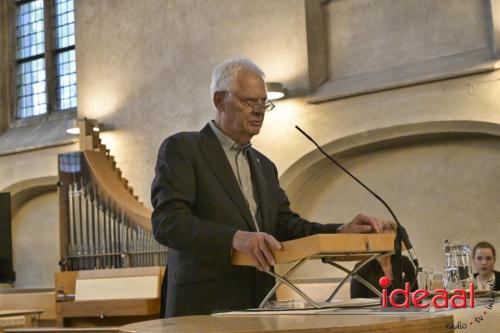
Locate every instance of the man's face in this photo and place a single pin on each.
(238, 119)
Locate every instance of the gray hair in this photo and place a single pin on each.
(224, 73)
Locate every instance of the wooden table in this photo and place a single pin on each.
(484, 318)
(324, 323)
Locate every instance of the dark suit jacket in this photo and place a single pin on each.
(198, 207)
(372, 272)
(497, 280)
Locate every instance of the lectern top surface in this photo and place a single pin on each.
(346, 246)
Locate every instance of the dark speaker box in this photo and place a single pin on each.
(6, 268)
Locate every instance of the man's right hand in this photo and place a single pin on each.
(258, 246)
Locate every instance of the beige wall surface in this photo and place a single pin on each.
(439, 188)
(35, 251)
(472, 98)
(405, 32)
(150, 77)
(18, 167)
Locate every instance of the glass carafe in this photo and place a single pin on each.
(457, 265)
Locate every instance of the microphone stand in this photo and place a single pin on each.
(401, 234)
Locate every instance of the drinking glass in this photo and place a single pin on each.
(425, 277)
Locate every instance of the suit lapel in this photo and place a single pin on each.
(261, 185)
(217, 160)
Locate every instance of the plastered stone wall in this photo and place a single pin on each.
(368, 35)
(18, 167)
(150, 77)
(443, 187)
(473, 98)
(35, 242)
(35, 226)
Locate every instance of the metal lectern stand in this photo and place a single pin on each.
(331, 249)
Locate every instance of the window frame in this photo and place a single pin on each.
(50, 56)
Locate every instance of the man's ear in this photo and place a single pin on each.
(218, 99)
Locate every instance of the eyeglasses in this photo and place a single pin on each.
(266, 106)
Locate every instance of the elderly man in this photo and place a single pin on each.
(213, 193)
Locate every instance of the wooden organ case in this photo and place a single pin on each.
(111, 266)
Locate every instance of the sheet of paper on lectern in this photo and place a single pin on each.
(129, 287)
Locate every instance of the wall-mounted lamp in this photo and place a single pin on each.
(96, 127)
(275, 90)
(88, 133)
(73, 130)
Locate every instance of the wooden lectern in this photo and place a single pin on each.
(331, 249)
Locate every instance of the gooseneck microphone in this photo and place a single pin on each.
(401, 234)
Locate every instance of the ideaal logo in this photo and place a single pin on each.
(440, 300)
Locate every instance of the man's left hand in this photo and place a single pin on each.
(361, 224)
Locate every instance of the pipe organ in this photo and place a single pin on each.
(105, 232)
(100, 234)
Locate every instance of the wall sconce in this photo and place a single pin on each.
(73, 130)
(88, 133)
(275, 90)
(96, 127)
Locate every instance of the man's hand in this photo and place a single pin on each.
(361, 224)
(258, 246)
